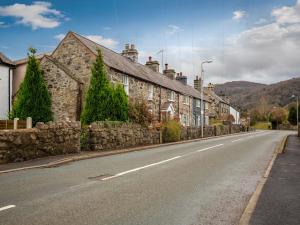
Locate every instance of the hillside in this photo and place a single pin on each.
(247, 94)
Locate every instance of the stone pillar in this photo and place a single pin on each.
(16, 123)
(28, 123)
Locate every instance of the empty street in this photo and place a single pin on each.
(202, 182)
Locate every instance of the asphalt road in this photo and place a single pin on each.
(204, 182)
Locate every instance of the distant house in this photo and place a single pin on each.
(67, 72)
(235, 114)
(19, 72)
(219, 106)
(6, 73)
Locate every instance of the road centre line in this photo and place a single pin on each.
(155, 164)
(140, 168)
(237, 140)
(204, 149)
(7, 207)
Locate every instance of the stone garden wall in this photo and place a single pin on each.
(69, 137)
(43, 140)
(108, 136)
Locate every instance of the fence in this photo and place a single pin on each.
(15, 124)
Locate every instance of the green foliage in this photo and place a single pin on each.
(172, 131)
(84, 144)
(103, 101)
(292, 117)
(33, 99)
(120, 104)
(138, 112)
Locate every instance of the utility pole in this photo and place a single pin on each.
(202, 102)
(162, 59)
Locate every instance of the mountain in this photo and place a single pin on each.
(246, 94)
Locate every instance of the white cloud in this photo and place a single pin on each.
(37, 15)
(287, 15)
(265, 53)
(239, 14)
(173, 29)
(261, 21)
(59, 36)
(107, 42)
(3, 25)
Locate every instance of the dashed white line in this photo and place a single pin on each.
(7, 207)
(237, 140)
(140, 168)
(157, 163)
(204, 149)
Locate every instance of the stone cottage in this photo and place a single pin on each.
(219, 106)
(67, 72)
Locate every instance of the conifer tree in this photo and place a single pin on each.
(120, 104)
(33, 99)
(99, 95)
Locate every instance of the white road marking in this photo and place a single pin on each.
(237, 140)
(140, 168)
(204, 149)
(7, 207)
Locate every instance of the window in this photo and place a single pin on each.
(206, 105)
(186, 100)
(150, 91)
(185, 120)
(171, 95)
(198, 103)
(125, 84)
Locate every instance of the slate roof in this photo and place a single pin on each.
(6, 60)
(25, 60)
(215, 96)
(125, 65)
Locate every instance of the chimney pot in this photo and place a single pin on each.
(150, 58)
(180, 74)
(132, 46)
(166, 66)
(126, 46)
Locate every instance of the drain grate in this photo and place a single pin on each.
(100, 177)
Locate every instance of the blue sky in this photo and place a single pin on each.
(189, 31)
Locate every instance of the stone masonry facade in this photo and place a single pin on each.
(67, 73)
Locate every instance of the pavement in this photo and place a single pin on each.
(279, 201)
(201, 182)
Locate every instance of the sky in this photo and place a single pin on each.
(253, 40)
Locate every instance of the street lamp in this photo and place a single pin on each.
(202, 108)
(297, 106)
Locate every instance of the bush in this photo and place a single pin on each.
(172, 131)
(138, 112)
(103, 101)
(33, 99)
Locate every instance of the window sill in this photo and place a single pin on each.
(170, 100)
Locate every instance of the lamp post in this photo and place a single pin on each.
(297, 106)
(202, 105)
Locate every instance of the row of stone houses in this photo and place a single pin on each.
(67, 72)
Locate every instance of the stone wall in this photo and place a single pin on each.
(43, 140)
(108, 136)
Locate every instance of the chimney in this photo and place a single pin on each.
(181, 78)
(154, 65)
(197, 83)
(130, 52)
(169, 72)
(211, 87)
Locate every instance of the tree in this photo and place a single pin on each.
(292, 118)
(263, 108)
(277, 115)
(103, 101)
(33, 99)
(120, 104)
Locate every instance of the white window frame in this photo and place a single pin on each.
(171, 96)
(198, 103)
(125, 83)
(150, 91)
(186, 100)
